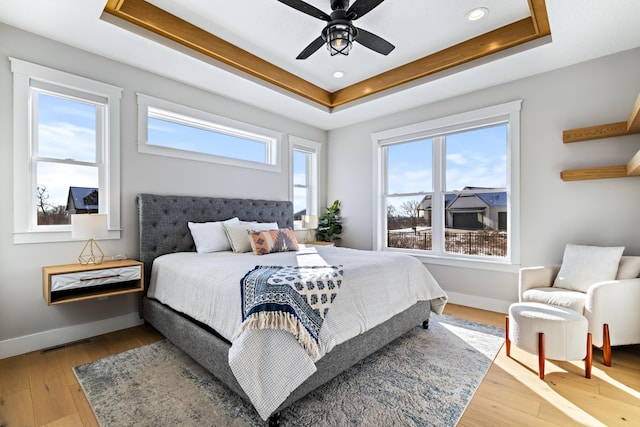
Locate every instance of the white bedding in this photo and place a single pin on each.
(270, 364)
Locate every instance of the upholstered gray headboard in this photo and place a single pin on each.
(163, 219)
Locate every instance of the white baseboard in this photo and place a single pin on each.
(54, 337)
(499, 306)
(46, 339)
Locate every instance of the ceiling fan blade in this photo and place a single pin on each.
(307, 8)
(373, 42)
(361, 8)
(313, 46)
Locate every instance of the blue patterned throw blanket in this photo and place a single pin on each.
(296, 299)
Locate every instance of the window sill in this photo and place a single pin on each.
(53, 236)
(202, 157)
(478, 264)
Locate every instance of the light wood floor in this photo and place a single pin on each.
(39, 389)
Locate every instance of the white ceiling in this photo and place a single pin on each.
(581, 30)
(277, 33)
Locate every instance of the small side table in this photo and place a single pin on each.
(550, 332)
(76, 282)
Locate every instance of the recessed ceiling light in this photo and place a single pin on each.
(477, 13)
(338, 74)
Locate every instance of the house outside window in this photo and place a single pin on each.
(169, 129)
(446, 187)
(66, 135)
(304, 179)
(83, 200)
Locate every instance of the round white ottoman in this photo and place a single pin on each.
(549, 331)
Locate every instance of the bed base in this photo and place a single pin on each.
(162, 221)
(212, 352)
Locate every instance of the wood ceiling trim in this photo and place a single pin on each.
(540, 17)
(158, 21)
(486, 44)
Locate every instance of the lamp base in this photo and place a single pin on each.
(310, 236)
(91, 253)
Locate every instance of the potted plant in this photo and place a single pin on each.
(329, 223)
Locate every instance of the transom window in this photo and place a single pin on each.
(178, 131)
(446, 187)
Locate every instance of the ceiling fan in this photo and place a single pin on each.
(340, 33)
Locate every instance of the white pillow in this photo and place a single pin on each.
(629, 268)
(238, 234)
(210, 236)
(583, 266)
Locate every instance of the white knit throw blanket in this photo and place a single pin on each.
(292, 298)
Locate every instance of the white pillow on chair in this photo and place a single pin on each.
(583, 266)
(629, 267)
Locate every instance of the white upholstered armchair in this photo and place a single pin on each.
(612, 307)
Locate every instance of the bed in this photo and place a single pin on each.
(166, 241)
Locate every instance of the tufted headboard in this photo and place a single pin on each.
(163, 219)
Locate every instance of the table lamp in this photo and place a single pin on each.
(89, 226)
(310, 222)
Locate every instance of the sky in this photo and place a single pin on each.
(473, 158)
(67, 131)
(173, 135)
(300, 178)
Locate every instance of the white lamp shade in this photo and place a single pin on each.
(89, 226)
(310, 221)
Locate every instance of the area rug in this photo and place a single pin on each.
(424, 378)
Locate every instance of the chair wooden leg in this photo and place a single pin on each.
(606, 345)
(541, 354)
(507, 341)
(588, 361)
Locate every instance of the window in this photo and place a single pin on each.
(66, 136)
(174, 130)
(304, 177)
(445, 188)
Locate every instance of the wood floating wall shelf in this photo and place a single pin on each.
(631, 126)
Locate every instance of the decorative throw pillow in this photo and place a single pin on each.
(583, 266)
(629, 268)
(271, 241)
(238, 234)
(210, 236)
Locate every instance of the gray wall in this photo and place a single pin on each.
(553, 212)
(25, 320)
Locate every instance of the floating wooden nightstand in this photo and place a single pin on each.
(77, 282)
(631, 126)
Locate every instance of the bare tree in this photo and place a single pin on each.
(392, 218)
(42, 197)
(59, 215)
(409, 210)
(48, 213)
(392, 211)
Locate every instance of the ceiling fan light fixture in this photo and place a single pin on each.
(477, 14)
(339, 33)
(339, 38)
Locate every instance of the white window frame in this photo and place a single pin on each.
(312, 148)
(149, 106)
(25, 225)
(508, 112)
